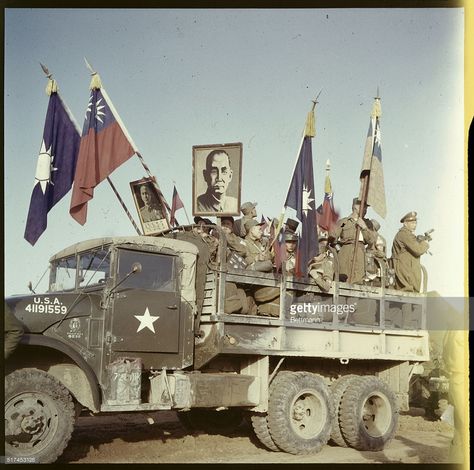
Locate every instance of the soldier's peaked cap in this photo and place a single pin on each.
(251, 223)
(410, 217)
(227, 217)
(291, 237)
(247, 207)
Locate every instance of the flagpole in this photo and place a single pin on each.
(124, 206)
(184, 207)
(365, 184)
(132, 143)
(282, 214)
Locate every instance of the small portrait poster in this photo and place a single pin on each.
(151, 211)
(217, 173)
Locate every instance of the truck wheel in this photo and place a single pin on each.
(338, 388)
(368, 414)
(211, 421)
(300, 412)
(260, 427)
(39, 415)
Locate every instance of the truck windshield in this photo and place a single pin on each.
(90, 268)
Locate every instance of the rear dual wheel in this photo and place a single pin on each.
(368, 414)
(300, 412)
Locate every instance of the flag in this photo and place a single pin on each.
(264, 221)
(104, 147)
(55, 166)
(372, 165)
(176, 204)
(301, 198)
(279, 247)
(328, 215)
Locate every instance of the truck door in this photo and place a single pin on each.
(146, 308)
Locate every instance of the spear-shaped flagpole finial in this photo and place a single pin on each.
(52, 86)
(315, 101)
(46, 71)
(377, 108)
(95, 81)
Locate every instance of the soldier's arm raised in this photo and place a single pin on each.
(413, 246)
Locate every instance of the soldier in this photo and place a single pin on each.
(344, 233)
(321, 267)
(237, 248)
(249, 212)
(291, 240)
(406, 253)
(13, 330)
(257, 258)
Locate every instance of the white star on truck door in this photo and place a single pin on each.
(146, 321)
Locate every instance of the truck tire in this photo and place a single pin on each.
(260, 427)
(211, 421)
(39, 415)
(300, 412)
(338, 389)
(368, 414)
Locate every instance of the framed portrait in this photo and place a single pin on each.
(151, 211)
(217, 175)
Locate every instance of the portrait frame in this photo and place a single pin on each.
(202, 192)
(153, 220)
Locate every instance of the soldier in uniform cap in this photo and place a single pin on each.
(249, 212)
(344, 233)
(321, 267)
(257, 257)
(406, 253)
(236, 245)
(291, 240)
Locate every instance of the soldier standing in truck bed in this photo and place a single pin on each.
(344, 233)
(406, 253)
(249, 212)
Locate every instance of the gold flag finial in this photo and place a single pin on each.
(52, 86)
(327, 180)
(310, 129)
(95, 80)
(377, 107)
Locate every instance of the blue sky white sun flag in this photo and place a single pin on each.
(55, 167)
(301, 198)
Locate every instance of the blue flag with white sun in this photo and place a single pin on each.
(301, 198)
(55, 167)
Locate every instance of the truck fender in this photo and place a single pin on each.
(78, 377)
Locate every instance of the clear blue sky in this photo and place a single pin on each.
(180, 78)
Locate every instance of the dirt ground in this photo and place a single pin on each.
(160, 438)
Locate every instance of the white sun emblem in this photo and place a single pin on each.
(98, 109)
(378, 135)
(44, 167)
(306, 200)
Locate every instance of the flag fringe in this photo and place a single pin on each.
(376, 108)
(310, 128)
(95, 82)
(51, 87)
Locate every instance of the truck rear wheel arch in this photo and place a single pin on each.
(63, 363)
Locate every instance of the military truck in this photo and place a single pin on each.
(134, 324)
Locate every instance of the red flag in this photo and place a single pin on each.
(328, 216)
(176, 204)
(104, 147)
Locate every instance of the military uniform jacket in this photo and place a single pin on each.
(345, 233)
(406, 252)
(239, 225)
(236, 244)
(254, 249)
(321, 269)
